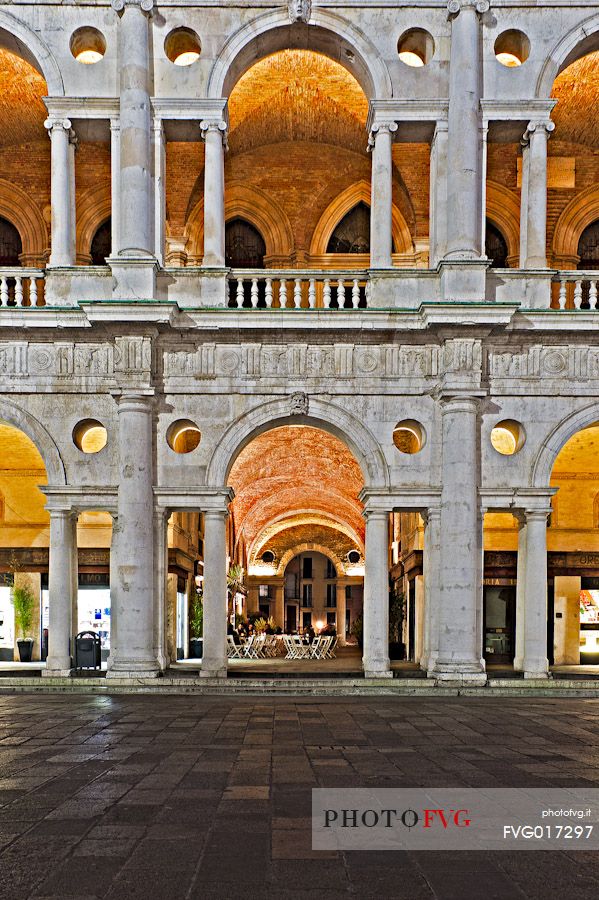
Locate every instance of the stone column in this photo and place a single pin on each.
(115, 184)
(171, 616)
(376, 596)
(438, 195)
(341, 612)
(62, 194)
(135, 209)
(133, 543)
(520, 593)
(535, 663)
(461, 545)
(533, 202)
(60, 592)
(112, 577)
(432, 583)
(280, 605)
(214, 134)
(464, 145)
(381, 204)
(214, 661)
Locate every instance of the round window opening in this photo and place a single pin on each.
(90, 436)
(88, 45)
(353, 557)
(408, 436)
(416, 47)
(268, 556)
(508, 437)
(512, 48)
(183, 436)
(182, 46)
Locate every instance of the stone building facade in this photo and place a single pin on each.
(297, 277)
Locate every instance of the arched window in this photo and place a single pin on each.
(495, 246)
(588, 247)
(102, 243)
(352, 234)
(244, 245)
(10, 244)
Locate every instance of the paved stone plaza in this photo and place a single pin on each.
(189, 797)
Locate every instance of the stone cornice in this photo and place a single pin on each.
(83, 107)
(381, 111)
(516, 110)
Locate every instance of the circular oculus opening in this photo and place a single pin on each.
(408, 436)
(268, 556)
(90, 436)
(512, 48)
(416, 47)
(183, 436)
(88, 45)
(353, 557)
(183, 47)
(507, 437)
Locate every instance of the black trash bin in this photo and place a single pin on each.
(88, 651)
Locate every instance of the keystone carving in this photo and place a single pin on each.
(299, 405)
(300, 10)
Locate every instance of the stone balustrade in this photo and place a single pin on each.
(21, 287)
(297, 289)
(577, 289)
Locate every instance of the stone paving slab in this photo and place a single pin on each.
(188, 797)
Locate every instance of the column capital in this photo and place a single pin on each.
(219, 126)
(60, 123)
(144, 5)
(538, 127)
(388, 127)
(137, 401)
(431, 513)
(454, 7)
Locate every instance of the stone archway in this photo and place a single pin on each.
(582, 39)
(19, 418)
(580, 212)
(299, 409)
(93, 209)
(503, 210)
(17, 207)
(327, 33)
(543, 464)
(16, 37)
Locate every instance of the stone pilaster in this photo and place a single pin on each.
(535, 663)
(432, 580)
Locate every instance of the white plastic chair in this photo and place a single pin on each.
(234, 651)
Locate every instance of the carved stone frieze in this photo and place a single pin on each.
(537, 362)
(286, 361)
(126, 358)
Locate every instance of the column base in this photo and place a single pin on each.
(213, 672)
(57, 673)
(133, 668)
(463, 280)
(134, 277)
(541, 676)
(458, 672)
(378, 673)
(377, 668)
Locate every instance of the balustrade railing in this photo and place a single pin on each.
(21, 288)
(575, 289)
(297, 289)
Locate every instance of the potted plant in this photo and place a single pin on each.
(357, 629)
(23, 603)
(196, 627)
(397, 606)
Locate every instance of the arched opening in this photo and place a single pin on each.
(496, 248)
(24, 541)
(297, 530)
(11, 245)
(588, 247)
(352, 234)
(244, 249)
(573, 544)
(101, 244)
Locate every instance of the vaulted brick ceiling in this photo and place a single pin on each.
(580, 454)
(577, 93)
(297, 95)
(22, 111)
(292, 473)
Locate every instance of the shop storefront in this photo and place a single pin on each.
(7, 621)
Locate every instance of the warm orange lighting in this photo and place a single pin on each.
(508, 59)
(94, 439)
(187, 58)
(411, 59)
(89, 57)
